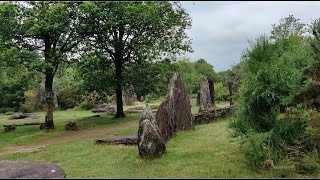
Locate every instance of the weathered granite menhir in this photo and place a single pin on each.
(150, 142)
(205, 95)
(174, 113)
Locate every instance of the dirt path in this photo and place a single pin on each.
(69, 137)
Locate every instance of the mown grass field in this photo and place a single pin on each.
(208, 151)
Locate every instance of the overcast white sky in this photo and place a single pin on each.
(221, 29)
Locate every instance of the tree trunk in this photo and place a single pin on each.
(49, 101)
(118, 82)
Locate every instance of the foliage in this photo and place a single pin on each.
(14, 85)
(191, 73)
(129, 32)
(41, 36)
(30, 103)
(149, 77)
(256, 148)
(93, 98)
(221, 92)
(271, 95)
(188, 75)
(68, 87)
(96, 74)
(203, 156)
(204, 68)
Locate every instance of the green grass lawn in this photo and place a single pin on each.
(208, 151)
(31, 134)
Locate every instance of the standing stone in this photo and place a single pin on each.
(150, 143)
(205, 97)
(41, 98)
(129, 97)
(211, 89)
(147, 114)
(174, 113)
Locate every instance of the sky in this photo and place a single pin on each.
(221, 29)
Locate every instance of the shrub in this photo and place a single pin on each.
(9, 113)
(152, 98)
(256, 148)
(221, 92)
(93, 98)
(30, 102)
(68, 97)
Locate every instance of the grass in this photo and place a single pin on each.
(31, 134)
(208, 151)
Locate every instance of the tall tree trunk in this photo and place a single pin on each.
(118, 82)
(49, 100)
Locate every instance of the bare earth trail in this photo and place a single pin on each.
(69, 137)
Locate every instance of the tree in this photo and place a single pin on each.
(41, 36)
(289, 26)
(189, 75)
(206, 69)
(156, 76)
(128, 32)
(273, 77)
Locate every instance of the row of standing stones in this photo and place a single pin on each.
(174, 114)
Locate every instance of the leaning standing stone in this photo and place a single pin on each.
(150, 143)
(174, 113)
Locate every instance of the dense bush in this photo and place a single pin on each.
(90, 99)
(13, 86)
(67, 87)
(273, 115)
(30, 102)
(221, 92)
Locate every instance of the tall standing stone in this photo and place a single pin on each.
(211, 89)
(205, 97)
(174, 113)
(150, 142)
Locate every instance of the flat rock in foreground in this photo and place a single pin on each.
(29, 170)
(127, 140)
